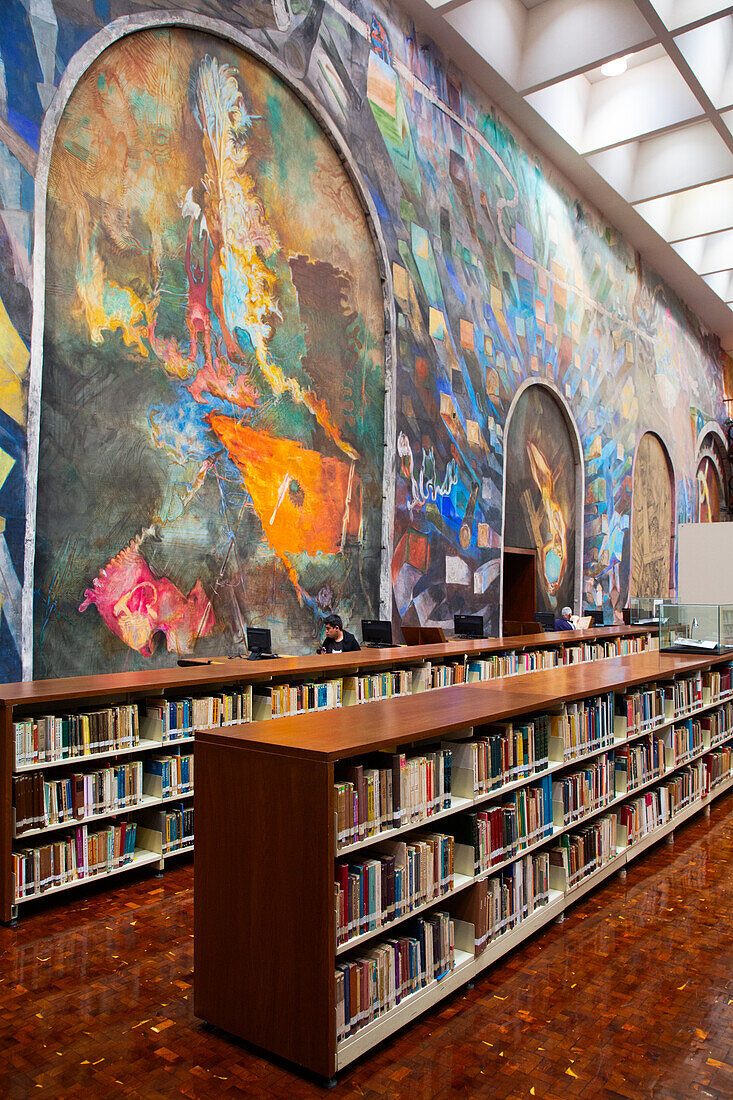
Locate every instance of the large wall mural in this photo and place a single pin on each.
(653, 520)
(212, 413)
(169, 390)
(540, 504)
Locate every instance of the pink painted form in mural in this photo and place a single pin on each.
(136, 605)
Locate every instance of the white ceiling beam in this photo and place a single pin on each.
(666, 162)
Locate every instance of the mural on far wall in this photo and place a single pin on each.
(500, 272)
(540, 494)
(212, 414)
(708, 492)
(652, 520)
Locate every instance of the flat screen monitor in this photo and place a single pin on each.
(546, 619)
(376, 632)
(596, 616)
(259, 639)
(468, 626)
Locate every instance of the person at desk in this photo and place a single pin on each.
(337, 639)
(565, 622)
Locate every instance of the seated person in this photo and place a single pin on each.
(337, 639)
(565, 622)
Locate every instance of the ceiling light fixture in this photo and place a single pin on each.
(616, 67)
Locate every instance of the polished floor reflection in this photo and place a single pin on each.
(632, 996)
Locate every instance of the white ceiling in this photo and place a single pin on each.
(651, 147)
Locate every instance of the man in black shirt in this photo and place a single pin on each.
(337, 639)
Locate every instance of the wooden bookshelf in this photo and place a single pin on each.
(28, 700)
(265, 928)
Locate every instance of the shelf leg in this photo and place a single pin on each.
(707, 810)
(470, 985)
(329, 1082)
(622, 874)
(560, 919)
(670, 840)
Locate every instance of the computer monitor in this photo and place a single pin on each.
(376, 632)
(259, 642)
(546, 619)
(596, 616)
(468, 626)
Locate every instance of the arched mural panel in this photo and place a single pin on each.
(652, 519)
(212, 411)
(708, 492)
(540, 493)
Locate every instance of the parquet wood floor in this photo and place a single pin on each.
(632, 996)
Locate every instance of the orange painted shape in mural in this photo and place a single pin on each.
(306, 502)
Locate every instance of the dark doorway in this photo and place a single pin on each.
(519, 580)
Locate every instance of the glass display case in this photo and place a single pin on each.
(694, 627)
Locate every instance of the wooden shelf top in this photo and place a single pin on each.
(230, 670)
(427, 716)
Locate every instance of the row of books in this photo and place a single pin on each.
(579, 793)
(50, 737)
(40, 802)
(378, 979)
(499, 832)
(718, 724)
(399, 878)
(374, 686)
(717, 682)
(284, 700)
(685, 787)
(583, 726)
(179, 717)
(498, 903)
(684, 694)
(176, 826)
(718, 767)
(501, 753)
(642, 814)
(80, 854)
(579, 854)
(169, 775)
(642, 708)
(370, 800)
(683, 740)
(639, 762)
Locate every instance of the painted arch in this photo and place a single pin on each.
(212, 411)
(652, 523)
(543, 492)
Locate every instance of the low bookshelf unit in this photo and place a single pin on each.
(97, 772)
(356, 867)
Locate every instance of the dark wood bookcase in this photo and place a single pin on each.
(265, 937)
